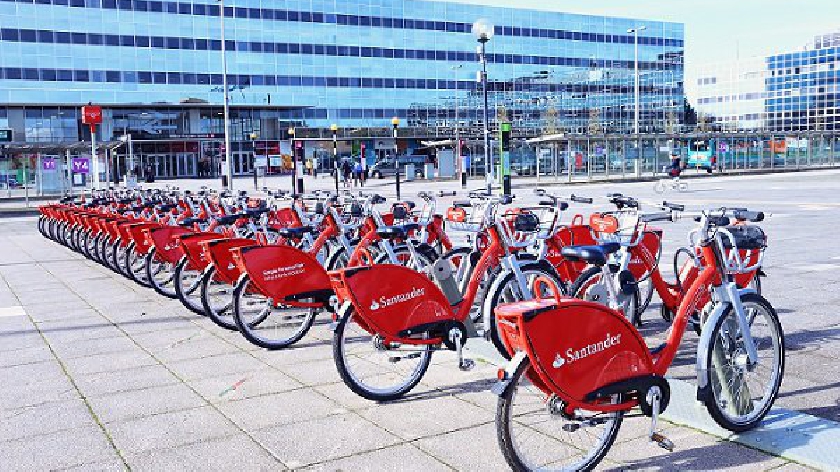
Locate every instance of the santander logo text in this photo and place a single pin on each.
(573, 355)
(385, 301)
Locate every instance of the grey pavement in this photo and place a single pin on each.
(100, 374)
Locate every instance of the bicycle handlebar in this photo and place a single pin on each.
(673, 206)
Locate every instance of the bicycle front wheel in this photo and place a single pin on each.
(535, 434)
(740, 394)
(373, 369)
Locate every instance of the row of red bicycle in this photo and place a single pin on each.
(560, 300)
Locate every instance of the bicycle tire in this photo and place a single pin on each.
(183, 293)
(497, 289)
(717, 352)
(508, 440)
(249, 328)
(594, 271)
(355, 384)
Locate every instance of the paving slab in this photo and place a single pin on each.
(236, 452)
(44, 418)
(323, 439)
(57, 450)
(400, 458)
(123, 406)
(170, 429)
(238, 386)
(124, 380)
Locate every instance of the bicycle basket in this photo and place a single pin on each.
(520, 227)
(743, 246)
(470, 219)
(623, 227)
(748, 237)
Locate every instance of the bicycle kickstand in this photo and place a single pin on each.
(455, 337)
(654, 396)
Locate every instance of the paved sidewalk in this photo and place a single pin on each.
(99, 374)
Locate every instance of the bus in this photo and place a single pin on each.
(701, 154)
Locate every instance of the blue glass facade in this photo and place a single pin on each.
(803, 89)
(155, 67)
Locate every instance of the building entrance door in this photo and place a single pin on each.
(243, 162)
(163, 165)
(187, 164)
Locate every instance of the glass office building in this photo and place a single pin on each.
(786, 92)
(155, 67)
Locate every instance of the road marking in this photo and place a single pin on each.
(817, 267)
(811, 207)
(12, 311)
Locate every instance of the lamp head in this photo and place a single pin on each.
(395, 121)
(291, 131)
(334, 127)
(483, 30)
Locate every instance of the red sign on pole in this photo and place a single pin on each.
(91, 115)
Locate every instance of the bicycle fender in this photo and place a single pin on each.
(703, 347)
(501, 386)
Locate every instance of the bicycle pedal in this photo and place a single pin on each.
(466, 365)
(662, 441)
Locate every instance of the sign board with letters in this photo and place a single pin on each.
(91, 115)
(81, 165)
(5, 135)
(48, 164)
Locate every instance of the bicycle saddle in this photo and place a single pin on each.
(191, 221)
(396, 231)
(228, 219)
(295, 233)
(595, 255)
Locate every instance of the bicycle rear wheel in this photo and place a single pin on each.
(589, 286)
(188, 286)
(534, 434)
(217, 299)
(506, 290)
(160, 274)
(372, 369)
(265, 324)
(740, 395)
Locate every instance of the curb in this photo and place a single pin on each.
(18, 212)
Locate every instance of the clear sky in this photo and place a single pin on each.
(715, 29)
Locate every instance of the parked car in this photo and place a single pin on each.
(385, 167)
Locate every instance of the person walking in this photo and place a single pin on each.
(357, 174)
(345, 171)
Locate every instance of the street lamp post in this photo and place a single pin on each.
(293, 158)
(254, 137)
(228, 169)
(635, 33)
(396, 123)
(334, 129)
(484, 30)
(461, 164)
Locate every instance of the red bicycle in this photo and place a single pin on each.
(577, 366)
